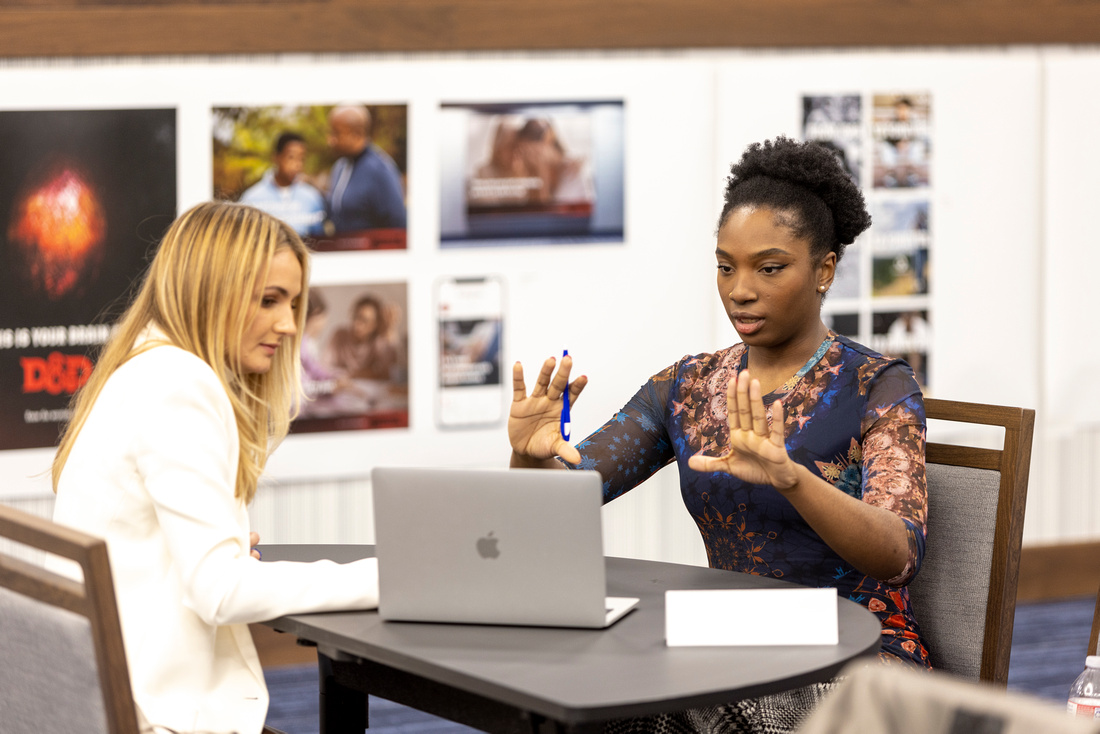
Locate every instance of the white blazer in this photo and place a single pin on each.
(153, 473)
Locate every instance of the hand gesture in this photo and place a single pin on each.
(757, 453)
(534, 421)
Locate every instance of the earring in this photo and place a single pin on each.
(821, 288)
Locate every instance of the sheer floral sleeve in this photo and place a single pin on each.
(893, 459)
(634, 444)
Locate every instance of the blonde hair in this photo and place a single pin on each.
(201, 290)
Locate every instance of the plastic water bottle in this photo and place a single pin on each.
(1084, 694)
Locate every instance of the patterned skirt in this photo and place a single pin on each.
(778, 713)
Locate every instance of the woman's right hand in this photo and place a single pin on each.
(534, 421)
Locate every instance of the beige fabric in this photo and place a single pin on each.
(950, 592)
(49, 682)
(875, 699)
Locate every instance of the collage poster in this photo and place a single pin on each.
(880, 295)
(84, 198)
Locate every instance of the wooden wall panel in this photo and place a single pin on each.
(124, 27)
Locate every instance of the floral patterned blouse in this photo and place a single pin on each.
(853, 417)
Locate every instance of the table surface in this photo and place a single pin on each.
(581, 676)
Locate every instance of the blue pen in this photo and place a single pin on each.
(565, 405)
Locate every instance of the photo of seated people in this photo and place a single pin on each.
(336, 174)
(355, 358)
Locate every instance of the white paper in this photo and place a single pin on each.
(717, 617)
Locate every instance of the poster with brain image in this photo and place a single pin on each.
(84, 197)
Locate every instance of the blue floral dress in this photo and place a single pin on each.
(853, 417)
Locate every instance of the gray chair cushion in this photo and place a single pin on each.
(950, 593)
(49, 682)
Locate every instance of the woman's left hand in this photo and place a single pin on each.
(757, 453)
(253, 541)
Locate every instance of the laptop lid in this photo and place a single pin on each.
(491, 546)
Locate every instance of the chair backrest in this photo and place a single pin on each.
(965, 594)
(62, 662)
(1094, 638)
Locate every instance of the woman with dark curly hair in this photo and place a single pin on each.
(801, 453)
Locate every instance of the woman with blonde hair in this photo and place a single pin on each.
(163, 453)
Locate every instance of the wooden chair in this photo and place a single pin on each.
(965, 594)
(1094, 638)
(62, 662)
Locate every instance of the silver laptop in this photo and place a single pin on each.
(492, 546)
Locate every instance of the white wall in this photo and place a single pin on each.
(1070, 251)
(1012, 243)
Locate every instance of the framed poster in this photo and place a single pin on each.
(355, 358)
(532, 173)
(85, 196)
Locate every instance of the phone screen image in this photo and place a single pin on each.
(470, 333)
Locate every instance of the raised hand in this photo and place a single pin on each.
(757, 452)
(534, 427)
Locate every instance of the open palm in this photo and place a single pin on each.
(757, 452)
(534, 421)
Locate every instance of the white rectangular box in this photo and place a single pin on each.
(714, 617)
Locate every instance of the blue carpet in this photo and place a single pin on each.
(1049, 644)
(294, 708)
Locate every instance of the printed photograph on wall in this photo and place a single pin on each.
(904, 334)
(470, 323)
(336, 173)
(901, 130)
(835, 120)
(355, 358)
(85, 196)
(899, 244)
(532, 173)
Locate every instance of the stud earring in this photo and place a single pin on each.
(821, 288)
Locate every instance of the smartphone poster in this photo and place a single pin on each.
(355, 358)
(470, 332)
(85, 196)
(531, 173)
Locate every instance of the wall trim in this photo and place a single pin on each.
(1059, 570)
(43, 28)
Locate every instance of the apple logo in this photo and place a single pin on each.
(487, 546)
